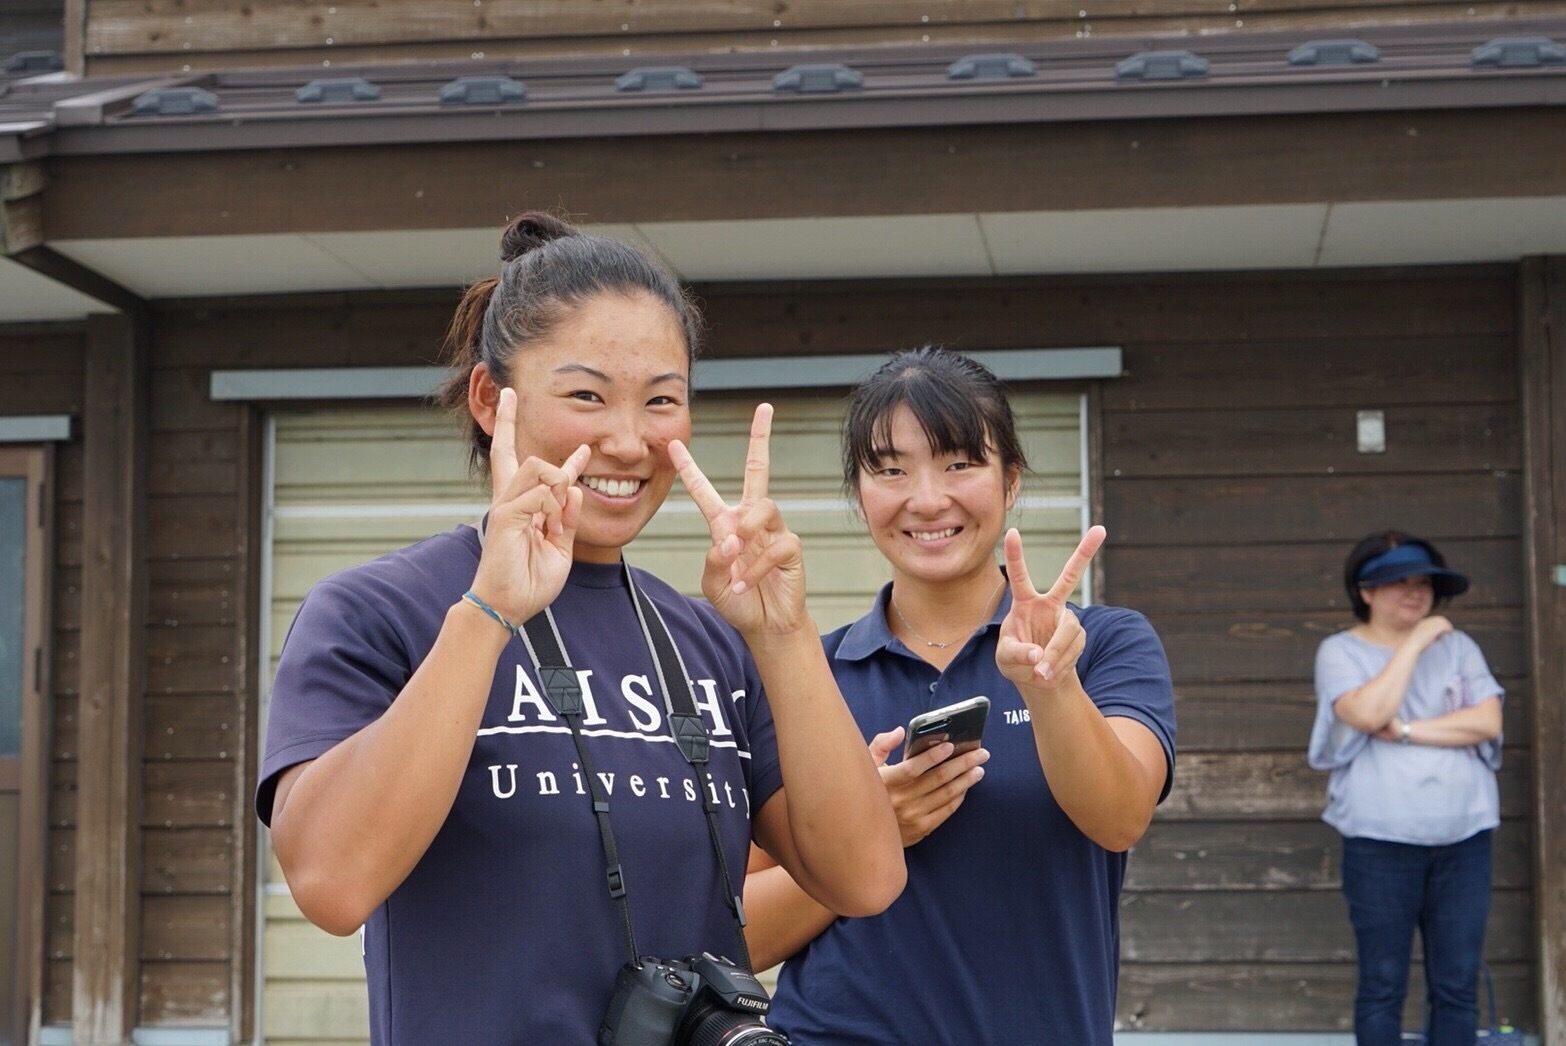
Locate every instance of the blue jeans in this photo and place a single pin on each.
(1445, 891)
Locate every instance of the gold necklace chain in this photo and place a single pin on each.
(989, 612)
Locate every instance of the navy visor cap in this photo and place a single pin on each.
(1411, 561)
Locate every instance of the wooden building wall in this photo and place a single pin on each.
(1233, 489)
(195, 885)
(193, 843)
(198, 887)
(197, 829)
(172, 35)
(1227, 477)
(41, 373)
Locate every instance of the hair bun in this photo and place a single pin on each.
(530, 231)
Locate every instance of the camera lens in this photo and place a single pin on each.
(709, 1025)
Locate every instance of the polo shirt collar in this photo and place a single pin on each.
(871, 634)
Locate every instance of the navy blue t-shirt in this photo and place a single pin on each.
(1008, 930)
(504, 932)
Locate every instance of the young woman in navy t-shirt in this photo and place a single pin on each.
(416, 779)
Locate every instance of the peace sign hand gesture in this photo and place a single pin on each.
(533, 513)
(755, 571)
(1041, 639)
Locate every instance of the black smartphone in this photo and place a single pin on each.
(961, 723)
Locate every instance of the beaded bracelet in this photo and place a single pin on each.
(491, 611)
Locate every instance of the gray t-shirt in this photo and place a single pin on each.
(1421, 794)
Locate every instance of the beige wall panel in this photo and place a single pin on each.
(310, 560)
(295, 951)
(316, 1011)
(422, 448)
(278, 905)
(315, 988)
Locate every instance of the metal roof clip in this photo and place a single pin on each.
(28, 62)
(482, 90)
(990, 67)
(174, 101)
(342, 89)
(818, 79)
(1161, 65)
(1515, 52)
(1334, 52)
(659, 78)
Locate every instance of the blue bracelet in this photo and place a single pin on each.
(491, 611)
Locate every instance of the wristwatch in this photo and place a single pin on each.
(1406, 732)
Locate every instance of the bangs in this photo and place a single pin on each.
(950, 423)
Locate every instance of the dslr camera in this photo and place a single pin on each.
(701, 1000)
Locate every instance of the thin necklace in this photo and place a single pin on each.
(950, 642)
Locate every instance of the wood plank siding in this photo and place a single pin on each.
(198, 824)
(194, 884)
(174, 35)
(1233, 489)
(41, 372)
(1228, 478)
(1542, 318)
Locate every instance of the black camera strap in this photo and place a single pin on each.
(559, 680)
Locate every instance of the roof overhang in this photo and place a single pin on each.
(1259, 165)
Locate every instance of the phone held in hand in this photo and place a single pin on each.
(961, 723)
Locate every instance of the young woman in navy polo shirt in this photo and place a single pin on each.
(1008, 928)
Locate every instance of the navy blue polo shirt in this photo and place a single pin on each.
(1008, 930)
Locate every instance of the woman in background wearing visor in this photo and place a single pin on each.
(1408, 721)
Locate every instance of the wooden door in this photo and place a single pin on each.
(23, 569)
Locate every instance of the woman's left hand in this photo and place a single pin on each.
(755, 572)
(1041, 639)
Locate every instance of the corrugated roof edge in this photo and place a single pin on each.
(1427, 66)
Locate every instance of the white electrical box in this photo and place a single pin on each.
(1371, 429)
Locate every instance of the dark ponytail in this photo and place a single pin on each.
(460, 352)
(548, 269)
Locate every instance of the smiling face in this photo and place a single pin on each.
(613, 374)
(935, 516)
(1400, 604)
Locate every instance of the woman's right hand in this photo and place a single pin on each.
(927, 788)
(755, 570)
(533, 512)
(1429, 630)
